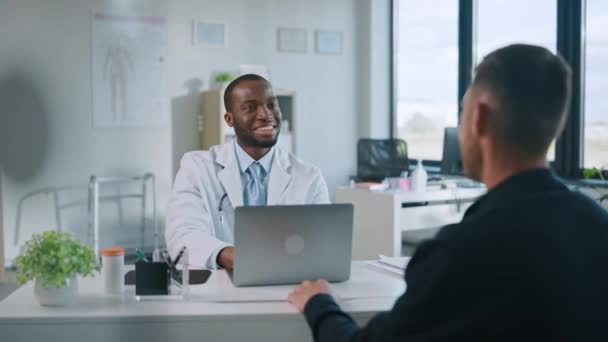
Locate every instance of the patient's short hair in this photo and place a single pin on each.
(532, 89)
(234, 83)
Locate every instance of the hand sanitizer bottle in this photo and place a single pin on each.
(419, 178)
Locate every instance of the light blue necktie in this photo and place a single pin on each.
(255, 194)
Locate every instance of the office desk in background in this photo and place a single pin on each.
(385, 219)
(216, 311)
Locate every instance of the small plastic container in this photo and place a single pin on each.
(419, 178)
(112, 266)
(404, 184)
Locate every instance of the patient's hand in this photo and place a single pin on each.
(303, 292)
(226, 258)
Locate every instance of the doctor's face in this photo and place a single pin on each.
(255, 114)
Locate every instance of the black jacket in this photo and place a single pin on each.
(528, 262)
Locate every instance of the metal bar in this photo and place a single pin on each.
(118, 201)
(392, 70)
(154, 218)
(57, 213)
(46, 190)
(143, 214)
(95, 191)
(108, 180)
(570, 45)
(466, 40)
(89, 211)
(42, 191)
(72, 204)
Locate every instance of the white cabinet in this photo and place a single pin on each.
(383, 218)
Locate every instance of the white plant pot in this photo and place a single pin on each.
(54, 296)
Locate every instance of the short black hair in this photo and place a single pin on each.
(532, 89)
(235, 82)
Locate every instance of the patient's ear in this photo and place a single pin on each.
(229, 119)
(480, 120)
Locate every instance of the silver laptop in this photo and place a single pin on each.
(290, 244)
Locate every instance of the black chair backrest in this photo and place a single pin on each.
(380, 158)
(451, 162)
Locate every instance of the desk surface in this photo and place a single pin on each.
(367, 292)
(411, 196)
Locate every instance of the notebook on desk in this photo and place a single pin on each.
(394, 265)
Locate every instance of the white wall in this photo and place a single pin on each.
(373, 53)
(46, 50)
(46, 47)
(325, 85)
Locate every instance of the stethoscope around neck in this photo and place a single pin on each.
(220, 208)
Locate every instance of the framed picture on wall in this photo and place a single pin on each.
(292, 40)
(207, 33)
(328, 42)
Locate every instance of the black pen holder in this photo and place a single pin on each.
(152, 278)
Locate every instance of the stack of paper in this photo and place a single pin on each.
(372, 186)
(394, 265)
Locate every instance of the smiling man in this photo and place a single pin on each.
(249, 171)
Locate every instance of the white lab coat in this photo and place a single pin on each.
(204, 177)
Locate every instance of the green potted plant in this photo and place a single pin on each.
(601, 185)
(53, 260)
(222, 79)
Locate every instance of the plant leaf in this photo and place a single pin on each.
(53, 257)
(589, 173)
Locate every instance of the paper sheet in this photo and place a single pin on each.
(399, 262)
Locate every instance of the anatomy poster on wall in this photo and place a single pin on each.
(129, 69)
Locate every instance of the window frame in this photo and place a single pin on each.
(571, 16)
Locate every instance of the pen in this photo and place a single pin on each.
(181, 252)
(167, 258)
(140, 255)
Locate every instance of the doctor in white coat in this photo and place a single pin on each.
(250, 170)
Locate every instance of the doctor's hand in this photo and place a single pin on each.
(225, 258)
(305, 291)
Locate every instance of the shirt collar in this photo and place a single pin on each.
(530, 183)
(245, 159)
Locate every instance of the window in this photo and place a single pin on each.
(595, 99)
(426, 73)
(426, 65)
(504, 22)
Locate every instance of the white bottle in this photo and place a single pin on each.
(112, 265)
(419, 178)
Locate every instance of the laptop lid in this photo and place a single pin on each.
(290, 244)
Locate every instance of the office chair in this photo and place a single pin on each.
(380, 158)
(451, 161)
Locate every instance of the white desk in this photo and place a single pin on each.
(384, 218)
(98, 317)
